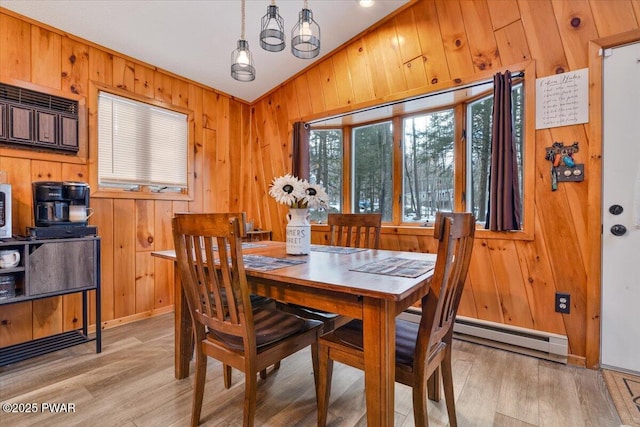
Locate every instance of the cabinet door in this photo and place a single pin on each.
(46, 124)
(69, 133)
(62, 266)
(3, 121)
(20, 124)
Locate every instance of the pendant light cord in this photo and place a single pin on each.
(242, 32)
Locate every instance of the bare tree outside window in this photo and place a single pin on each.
(325, 168)
(428, 165)
(373, 169)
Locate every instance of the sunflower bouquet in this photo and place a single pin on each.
(298, 193)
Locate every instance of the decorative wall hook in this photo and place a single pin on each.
(563, 166)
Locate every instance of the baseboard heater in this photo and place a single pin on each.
(544, 345)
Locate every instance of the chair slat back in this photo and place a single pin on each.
(455, 234)
(218, 298)
(355, 230)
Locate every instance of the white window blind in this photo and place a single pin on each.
(140, 144)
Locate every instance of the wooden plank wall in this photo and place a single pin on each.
(134, 284)
(434, 41)
(241, 148)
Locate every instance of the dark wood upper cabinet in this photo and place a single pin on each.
(46, 128)
(69, 132)
(39, 120)
(20, 124)
(3, 121)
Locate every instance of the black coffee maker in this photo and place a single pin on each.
(52, 201)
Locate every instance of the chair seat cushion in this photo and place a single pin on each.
(406, 336)
(270, 326)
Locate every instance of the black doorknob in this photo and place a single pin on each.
(618, 230)
(615, 209)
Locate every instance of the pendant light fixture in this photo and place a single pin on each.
(242, 68)
(305, 35)
(272, 30)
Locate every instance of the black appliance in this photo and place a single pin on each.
(51, 204)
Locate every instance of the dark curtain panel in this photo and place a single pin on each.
(504, 192)
(300, 158)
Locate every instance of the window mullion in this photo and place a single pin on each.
(460, 159)
(397, 170)
(347, 169)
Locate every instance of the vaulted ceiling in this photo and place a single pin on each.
(194, 39)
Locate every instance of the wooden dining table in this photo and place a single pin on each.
(327, 281)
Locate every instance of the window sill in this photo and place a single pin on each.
(140, 195)
(419, 230)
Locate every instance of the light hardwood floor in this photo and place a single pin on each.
(131, 384)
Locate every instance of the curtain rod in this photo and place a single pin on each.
(516, 75)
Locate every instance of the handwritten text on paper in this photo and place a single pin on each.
(562, 99)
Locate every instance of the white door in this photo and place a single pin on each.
(621, 209)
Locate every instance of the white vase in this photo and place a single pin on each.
(298, 232)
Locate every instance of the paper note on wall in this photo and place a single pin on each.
(562, 99)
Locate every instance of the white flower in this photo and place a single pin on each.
(287, 190)
(297, 193)
(315, 196)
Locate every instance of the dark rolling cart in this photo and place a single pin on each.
(52, 267)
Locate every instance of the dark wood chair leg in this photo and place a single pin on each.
(433, 386)
(198, 392)
(447, 379)
(315, 362)
(250, 391)
(226, 372)
(419, 394)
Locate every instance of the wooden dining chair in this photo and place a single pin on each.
(257, 302)
(226, 326)
(355, 230)
(422, 350)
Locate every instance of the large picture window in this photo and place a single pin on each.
(409, 166)
(141, 144)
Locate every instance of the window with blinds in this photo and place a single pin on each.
(141, 144)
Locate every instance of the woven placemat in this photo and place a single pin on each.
(625, 392)
(245, 245)
(266, 263)
(336, 249)
(396, 266)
